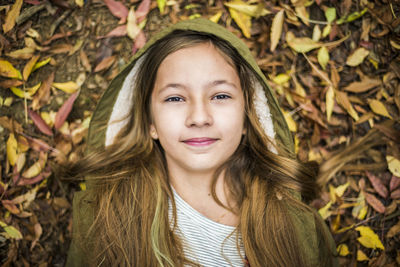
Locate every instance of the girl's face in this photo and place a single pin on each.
(197, 109)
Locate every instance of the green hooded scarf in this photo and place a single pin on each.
(116, 103)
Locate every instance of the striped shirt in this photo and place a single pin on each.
(204, 241)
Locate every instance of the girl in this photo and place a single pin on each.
(195, 166)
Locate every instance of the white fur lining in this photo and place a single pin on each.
(123, 106)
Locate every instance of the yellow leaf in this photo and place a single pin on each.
(339, 191)
(330, 101)
(316, 33)
(20, 93)
(68, 87)
(82, 186)
(161, 5)
(37, 167)
(32, 90)
(29, 67)
(289, 120)
(24, 53)
(360, 210)
(368, 238)
(342, 99)
(361, 256)
(12, 146)
(79, 3)
(276, 29)
(343, 250)
(327, 30)
(8, 70)
(323, 57)
(324, 211)
(41, 64)
(357, 57)
(302, 13)
(394, 165)
(48, 118)
(12, 15)
(242, 20)
(378, 108)
(330, 14)
(132, 28)
(250, 10)
(8, 101)
(11, 231)
(281, 78)
(215, 18)
(301, 45)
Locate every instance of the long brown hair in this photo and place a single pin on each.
(130, 190)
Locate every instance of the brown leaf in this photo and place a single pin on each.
(105, 64)
(363, 86)
(39, 122)
(10, 206)
(28, 67)
(394, 230)
(10, 124)
(37, 144)
(375, 203)
(117, 9)
(12, 16)
(38, 232)
(43, 94)
(394, 183)
(61, 48)
(28, 181)
(395, 194)
(85, 61)
(64, 111)
(24, 53)
(10, 83)
(379, 187)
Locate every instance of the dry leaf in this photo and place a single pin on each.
(343, 250)
(43, 94)
(301, 45)
(379, 187)
(375, 203)
(117, 9)
(378, 108)
(330, 101)
(12, 149)
(242, 20)
(64, 111)
(276, 29)
(250, 10)
(361, 256)
(289, 120)
(161, 5)
(394, 230)
(12, 232)
(142, 10)
(12, 16)
(37, 167)
(394, 165)
(215, 18)
(105, 63)
(41, 64)
(24, 53)
(29, 67)
(39, 122)
(324, 211)
(68, 87)
(132, 28)
(394, 183)
(342, 100)
(368, 238)
(357, 57)
(8, 70)
(10, 83)
(363, 86)
(323, 57)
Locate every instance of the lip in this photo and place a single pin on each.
(200, 141)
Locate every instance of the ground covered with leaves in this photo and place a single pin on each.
(334, 66)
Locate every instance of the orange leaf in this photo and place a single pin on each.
(28, 67)
(12, 15)
(105, 64)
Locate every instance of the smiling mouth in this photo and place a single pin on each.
(202, 141)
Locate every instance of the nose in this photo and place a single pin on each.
(199, 114)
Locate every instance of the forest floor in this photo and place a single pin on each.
(334, 66)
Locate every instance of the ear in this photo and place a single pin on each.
(153, 132)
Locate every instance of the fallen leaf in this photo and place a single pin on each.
(8, 70)
(85, 61)
(323, 57)
(132, 28)
(394, 183)
(68, 87)
(41, 63)
(342, 100)
(368, 238)
(12, 232)
(39, 122)
(10, 83)
(64, 111)
(394, 230)
(378, 108)
(316, 33)
(29, 181)
(330, 14)
(117, 32)
(43, 95)
(375, 203)
(360, 210)
(362, 86)
(12, 16)
(24, 53)
(357, 57)
(330, 102)
(37, 227)
(142, 10)
(302, 13)
(324, 211)
(12, 149)
(242, 20)
(361, 256)
(20, 93)
(343, 250)
(289, 120)
(377, 184)
(37, 167)
(29, 67)
(215, 18)
(276, 29)
(117, 9)
(161, 5)
(250, 10)
(21, 159)
(301, 45)
(105, 63)
(394, 165)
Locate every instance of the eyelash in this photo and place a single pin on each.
(180, 99)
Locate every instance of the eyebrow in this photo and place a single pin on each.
(211, 84)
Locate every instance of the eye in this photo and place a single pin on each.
(222, 97)
(174, 99)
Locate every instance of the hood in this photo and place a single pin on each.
(116, 101)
